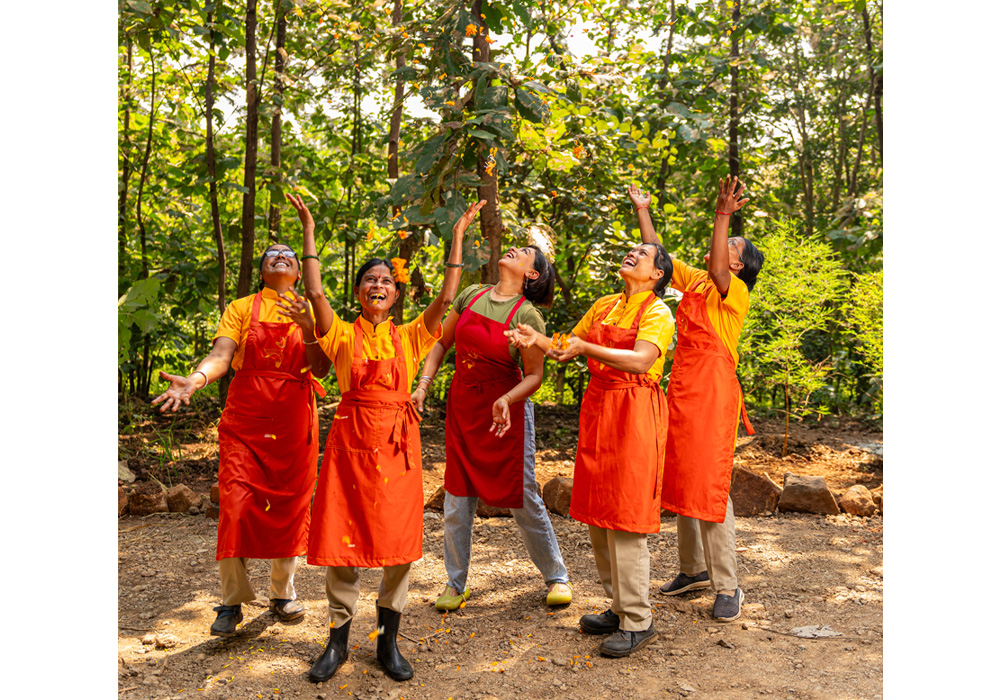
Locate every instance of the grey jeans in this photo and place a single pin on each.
(533, 520)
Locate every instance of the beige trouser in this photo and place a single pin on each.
(343, 588)
(236, 586)
(623, 565)
(703, 545)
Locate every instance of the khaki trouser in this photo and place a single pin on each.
(707, 546)
(623, 565)
(343, 588)
(236, 586)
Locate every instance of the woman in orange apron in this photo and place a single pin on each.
(268, 434)
(368, 507)
(619, 457)
(706, 403)
(490, 430)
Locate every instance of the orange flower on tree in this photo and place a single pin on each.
(399, 271)
(471, 30)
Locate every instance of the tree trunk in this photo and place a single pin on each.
(250, 159)
(784, 448)
(213, 191)
(852, 188)
(736, 220)
(661, 179)
(145, 167)
(349, 248)
(490, 224)
(126, 174)
(408, 246)
(274, 213)
(876, 81)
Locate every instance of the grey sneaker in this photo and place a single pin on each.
(622, 643)
(684, 583)
(728, 607)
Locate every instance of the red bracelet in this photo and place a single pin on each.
(721, 212)
(638, 208)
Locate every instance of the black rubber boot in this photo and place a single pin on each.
(396, 667)
(333, 656)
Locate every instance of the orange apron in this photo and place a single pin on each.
(477, 462)
(368, 509)
(705, 401)
(623, 425)
(268, 446)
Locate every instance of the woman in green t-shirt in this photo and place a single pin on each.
(490, 428)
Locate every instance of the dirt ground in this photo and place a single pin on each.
(796, 570)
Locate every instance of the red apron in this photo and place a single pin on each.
(368, 509)
(705, 402)
(268, 446)
(623, 425)
(477, 462)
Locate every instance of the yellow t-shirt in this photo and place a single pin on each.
(725, 315)
(656, 325)
(376, 344)
(235, 321)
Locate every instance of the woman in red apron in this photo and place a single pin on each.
(490, 429)
(368, 507)
(619, 458)
(268, 434)
(705, 404)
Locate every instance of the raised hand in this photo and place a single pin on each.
(640, 200)
(465, 219)
(501, 416)
(180, 391)
(297, 310)
(730, 191)
(301, 209)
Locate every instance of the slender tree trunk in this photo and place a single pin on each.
(876, 81)
(852, 188)
(734, 113)
(145, 167)
(126, 172)
(250, 159)
(274, 213)
(490, 224)
(408, 246)
(661, 178)
(213, 190)
(784, 448)
(349, 248)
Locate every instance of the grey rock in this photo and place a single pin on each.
(124, 473)
(807, 494)
(166, 641)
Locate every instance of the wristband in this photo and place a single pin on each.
(448, 264)
(198, 371)
(306, 257)
(310, 342)
(638, 208)
(722, 212)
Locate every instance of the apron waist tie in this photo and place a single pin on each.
(405, 415)
(619, 384)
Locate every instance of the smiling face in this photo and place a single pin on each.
(279, 269)
(640, 265)
(377, 291)
(520, 261)
(736, 248)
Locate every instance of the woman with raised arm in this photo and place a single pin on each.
(268, 434)
(706, 402)
(368, 508)
(619, 456)
(490, 428)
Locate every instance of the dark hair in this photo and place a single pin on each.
(662, 262)
(541, 290)
(369, 264)
(260, 266)
(752, 260)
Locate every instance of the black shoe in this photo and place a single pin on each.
(333, 656)
(396, 667)
(728, 607)
(225, 622)
(684, 583)
(287, 610)
(622, 643)
(605, 623)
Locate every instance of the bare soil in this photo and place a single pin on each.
(796, 570)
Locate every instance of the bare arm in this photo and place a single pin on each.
(641, 200)
(311, 278)
(453, 269)
(215, 365)
(718, 260)
(297, 309)
(638, 360)
(534, 363)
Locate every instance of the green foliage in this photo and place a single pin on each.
(134, 310)
(797, 297)
(864, 313)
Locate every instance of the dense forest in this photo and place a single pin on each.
(390, 117)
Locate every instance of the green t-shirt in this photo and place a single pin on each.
(500, 310)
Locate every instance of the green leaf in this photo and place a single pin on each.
(480, 134)
(492, 98)
(405, 73)
(522, 12)
(408, 188)
(688, 133)
(531, 107)
(494, 14)
(431, 152)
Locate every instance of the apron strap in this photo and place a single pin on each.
(743, 410)
(514, 310)
(476, 298)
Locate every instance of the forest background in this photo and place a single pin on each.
(390, 117)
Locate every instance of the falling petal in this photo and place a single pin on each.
(268, 506)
